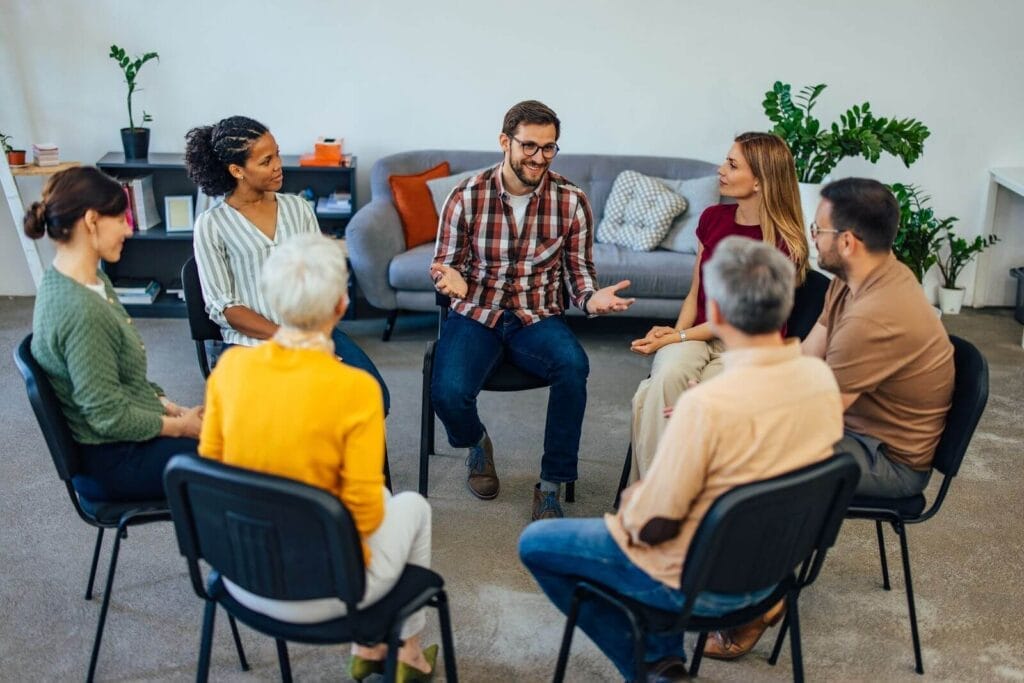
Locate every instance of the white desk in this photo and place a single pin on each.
(1011, 179)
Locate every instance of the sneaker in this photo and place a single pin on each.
(482, 478)
(546, 505)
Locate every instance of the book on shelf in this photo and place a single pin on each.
(142, 201)
(136, 291)
(337, 204)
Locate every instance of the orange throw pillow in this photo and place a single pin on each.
(415, 205)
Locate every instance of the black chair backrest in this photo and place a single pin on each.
(275, 537)
(970, 394)
(808, 301)
(756, 535)
(199, 323)
(50, 415)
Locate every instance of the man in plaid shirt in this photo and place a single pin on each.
(508, 240)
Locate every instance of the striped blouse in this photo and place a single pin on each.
(230, 253)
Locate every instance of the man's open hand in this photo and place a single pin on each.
(607, 300)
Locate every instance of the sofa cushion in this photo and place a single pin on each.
(699, 193)
(440, 188)
(639, 212)
(658, 273)
(411, 269)
(414, 204)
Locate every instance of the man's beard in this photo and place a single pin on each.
(517, 168)
(833, 263)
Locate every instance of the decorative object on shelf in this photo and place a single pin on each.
(326, 152)
(178, 212)
(817, 149)
(135, 139)
(45, 154)
(919, 235)
(15, 157)
(958, 252)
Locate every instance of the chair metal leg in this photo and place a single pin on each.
(905, 551)
(447, 642)
(95, 561)
(793, 615)
(391, 660)
(282, 659)
(881, 555)
(206, 641)
(242, 661)
(570, 492)
(426, 419)
(698, 653)
(570, 626)
(105, 604)
(624, 477)
(389, 325)
(779, 639)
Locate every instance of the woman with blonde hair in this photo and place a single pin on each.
(759, 173)
(290, 407)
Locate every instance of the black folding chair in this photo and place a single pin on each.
(506, 377)
(808, 302)
(970, 394)
(769, 533)
(285, 540)
(199, 324)
(66, 458)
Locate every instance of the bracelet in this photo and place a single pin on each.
(682, 335)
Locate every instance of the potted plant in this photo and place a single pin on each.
(920, 233)
(15, 157)
(135, 139)
(957, 254)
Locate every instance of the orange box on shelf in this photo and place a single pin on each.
(313, 160)
(328, 149)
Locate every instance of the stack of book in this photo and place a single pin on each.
(142, 201)
(45, 154)
(136, 291)
(335, 205)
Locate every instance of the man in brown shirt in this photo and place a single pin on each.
(771, 410)
(890, 354)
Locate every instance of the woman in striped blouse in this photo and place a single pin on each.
(238, 158)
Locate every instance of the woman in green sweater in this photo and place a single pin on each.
(93, 355)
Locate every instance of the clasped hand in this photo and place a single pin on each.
(657, 337)
(448, 281)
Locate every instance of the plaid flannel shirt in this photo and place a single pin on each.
(518, 268)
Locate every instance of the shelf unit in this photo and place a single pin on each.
(159, 255)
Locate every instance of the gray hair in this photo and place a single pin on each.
(752, 282)
(304, 279)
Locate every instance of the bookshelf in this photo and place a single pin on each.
(159, 255)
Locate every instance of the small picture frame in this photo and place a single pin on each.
(178, 213)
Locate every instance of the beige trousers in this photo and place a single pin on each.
(674, 367)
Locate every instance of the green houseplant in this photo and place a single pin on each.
(818, 148)
(135, 139)
(952, 259)
(15, 157)
(920, 233)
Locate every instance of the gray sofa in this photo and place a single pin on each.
(393, 278)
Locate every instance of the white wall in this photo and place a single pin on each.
(662, 77)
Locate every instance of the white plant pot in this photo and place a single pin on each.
(810, 195)
(950, 300)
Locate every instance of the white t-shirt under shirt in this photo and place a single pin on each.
(519, 202)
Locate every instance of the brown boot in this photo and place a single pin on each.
(546, 505)
(739, 641)
(482, 478)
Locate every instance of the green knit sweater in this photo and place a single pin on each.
(96, 361)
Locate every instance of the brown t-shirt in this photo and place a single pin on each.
(886, 344)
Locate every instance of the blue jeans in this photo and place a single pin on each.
(468, 352)
(350, 354)
(561, 552)
(128, 470)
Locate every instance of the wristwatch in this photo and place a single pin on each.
(682, 335)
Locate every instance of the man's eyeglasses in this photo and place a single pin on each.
(815, 231)
(530, 148)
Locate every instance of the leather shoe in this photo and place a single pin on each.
(546, 505)
(482, 478)
(667, 670)
(737, 642)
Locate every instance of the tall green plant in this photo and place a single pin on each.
(817, 149)
(131, 68)
(958, 253)
(919, 236)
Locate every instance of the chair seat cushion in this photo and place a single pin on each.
(109, 513)
(911, 506)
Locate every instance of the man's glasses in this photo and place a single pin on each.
(815, 231)
(530, 148)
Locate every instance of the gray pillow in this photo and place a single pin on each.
(440, 188)
(700, 193)
(639, 212)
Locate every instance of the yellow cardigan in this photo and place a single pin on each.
(301, 414)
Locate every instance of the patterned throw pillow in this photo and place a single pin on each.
(639, 212)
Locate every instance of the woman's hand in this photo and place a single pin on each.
(188, 423)
(171, 408)
(657, 337)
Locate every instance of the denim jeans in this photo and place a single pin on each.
(468, 352)
(128, 470)
(561, 552)
(350, 354)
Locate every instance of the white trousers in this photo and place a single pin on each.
(402, 538)
(674, 367)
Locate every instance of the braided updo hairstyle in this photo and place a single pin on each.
(209, 150)
(67, 196)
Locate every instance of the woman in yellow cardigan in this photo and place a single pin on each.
(289, 407)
